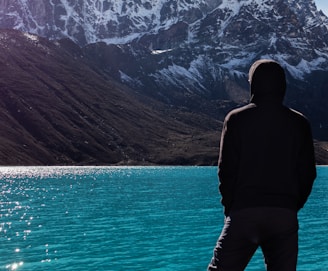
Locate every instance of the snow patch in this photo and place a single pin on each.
(236, 66)
(31, 37)
(303, 68)
(188, 79)
(123, 39)
(129, 80)
(158, 52)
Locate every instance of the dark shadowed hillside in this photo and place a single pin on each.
(56, 109)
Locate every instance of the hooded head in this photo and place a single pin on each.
(267, 81)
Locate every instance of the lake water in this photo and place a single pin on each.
(129, 218)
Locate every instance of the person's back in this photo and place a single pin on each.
(266, 165)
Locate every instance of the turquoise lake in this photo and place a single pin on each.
(129, 218)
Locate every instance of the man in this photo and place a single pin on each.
(266, 172)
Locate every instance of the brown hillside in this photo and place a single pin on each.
(58, 110)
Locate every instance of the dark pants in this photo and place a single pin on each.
(275, 230)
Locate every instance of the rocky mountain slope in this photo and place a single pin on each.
(208, 60)
(190, 55)
(58, 109)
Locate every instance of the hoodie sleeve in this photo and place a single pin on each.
(228, 163)
(306, 166)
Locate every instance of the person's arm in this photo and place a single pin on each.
(306, 166)
(228, 163)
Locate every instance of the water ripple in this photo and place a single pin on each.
(117, 218)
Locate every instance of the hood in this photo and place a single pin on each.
(267, 81)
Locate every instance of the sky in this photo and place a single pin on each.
(323, 5)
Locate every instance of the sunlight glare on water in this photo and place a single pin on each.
(14, 266)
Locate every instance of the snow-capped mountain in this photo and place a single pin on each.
(190, 53)
(91, 21)
(210, 53)
(228, 33)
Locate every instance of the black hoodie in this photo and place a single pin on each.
(266, 150)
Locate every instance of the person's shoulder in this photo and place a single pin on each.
(240, 111)
(244, 108)
(297, 116)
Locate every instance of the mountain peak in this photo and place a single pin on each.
(118, 22)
